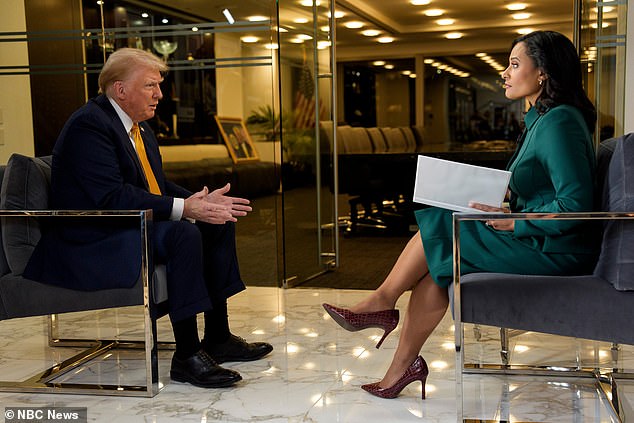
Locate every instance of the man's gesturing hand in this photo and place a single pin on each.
(197, 207)
(237, 206)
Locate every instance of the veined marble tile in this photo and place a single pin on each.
(316, 369)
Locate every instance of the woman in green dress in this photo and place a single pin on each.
(553, 170)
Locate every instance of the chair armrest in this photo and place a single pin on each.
(466, 216)
(143, 214)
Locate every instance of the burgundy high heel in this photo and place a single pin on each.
(416, 371)
(386, 320)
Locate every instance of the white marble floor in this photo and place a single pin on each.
(315, 371)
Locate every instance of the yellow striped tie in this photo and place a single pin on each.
(145, 164)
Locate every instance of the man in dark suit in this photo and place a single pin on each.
(107, 157)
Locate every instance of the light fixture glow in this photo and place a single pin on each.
(296, 40)
(428, 61)
(271, 46)
(520, 16)
(378, 63)
(257, 18)
(406, 72)
(228, 16)
(443, 22)
(165, 20)
(325, 28)
(195, 28)
(145, 15)
(389, 66)
(385, 40)
(300, 20)
(309, 3)
(433, 12)
(338, 14)
(371, 32)
(516, 6)
(412, 75)
(249, 39)
(603, 25)
(454, 35)
(524, 31)
(354, 24)
(420, 2)
(321, 45)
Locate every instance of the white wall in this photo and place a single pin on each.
(229, 80)
(16, 119)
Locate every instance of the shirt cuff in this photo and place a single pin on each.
(177, 209)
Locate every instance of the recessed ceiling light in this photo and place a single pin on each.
(385, 40)
(309, 3)
(300, 20)
(453, 35)
(412, 75)
(480, 54)
(165, 20)
(371, 32)
(406, 72)
(354, 24)
(521, 16)
(249, 39)
(516, 6)
(195, 28)
(447, 21)
(420, 2)
(144, 15)
(321, 45)
(280, 29)
(428, 61)
(524, 31)
(304, 37)
(296, 40)
(389, 67)
(272, 46)
(325, 28)
(257, 18)
(338, 14)
(604, 9)
(433, 12)
(378, 63)
(603, 25)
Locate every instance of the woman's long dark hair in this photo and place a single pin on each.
(557, 57)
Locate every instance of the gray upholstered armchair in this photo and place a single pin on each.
(598, 307)
(24, 199)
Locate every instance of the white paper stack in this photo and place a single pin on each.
(452, 185)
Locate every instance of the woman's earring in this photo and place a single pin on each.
(541, 81)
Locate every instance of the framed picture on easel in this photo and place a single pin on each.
(237, 138)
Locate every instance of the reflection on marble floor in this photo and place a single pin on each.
(315, 371)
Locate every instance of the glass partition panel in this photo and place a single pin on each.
(602, 50)
(305, 57)
(222, 65)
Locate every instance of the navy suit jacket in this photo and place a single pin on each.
(95, 167)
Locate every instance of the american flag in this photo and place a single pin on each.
(304, 110)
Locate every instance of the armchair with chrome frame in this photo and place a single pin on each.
(24, 207)
(598, 307)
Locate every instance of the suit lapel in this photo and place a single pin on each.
(124, 137)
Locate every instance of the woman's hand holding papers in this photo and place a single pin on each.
(500, 225)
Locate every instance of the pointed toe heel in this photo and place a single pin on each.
(385, 319)
(418, 370)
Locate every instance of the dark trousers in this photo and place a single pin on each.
(201, 263)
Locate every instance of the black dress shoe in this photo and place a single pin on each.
(201, 370)
(237, 349)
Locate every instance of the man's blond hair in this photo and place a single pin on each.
(123, 62)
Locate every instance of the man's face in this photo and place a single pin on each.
(139, 94)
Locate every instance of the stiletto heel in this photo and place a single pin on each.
(416, 371)
(385, 319)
